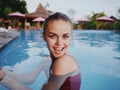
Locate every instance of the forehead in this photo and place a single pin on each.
(59, 26)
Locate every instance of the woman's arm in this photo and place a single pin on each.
(12, 84)
(16, 81)
(61, 70)
(55, 82)
(30, 77)
(1, 75)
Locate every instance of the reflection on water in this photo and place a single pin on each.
(97, 53)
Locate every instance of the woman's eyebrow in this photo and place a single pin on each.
(67, 33)
(56, 34)
(52, 33)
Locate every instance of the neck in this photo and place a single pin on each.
(53, 58)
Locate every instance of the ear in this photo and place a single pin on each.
(43, 35)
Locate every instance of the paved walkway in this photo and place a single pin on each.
(7, 37)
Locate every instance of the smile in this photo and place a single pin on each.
(58, 49)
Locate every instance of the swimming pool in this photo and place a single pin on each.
(97, 53)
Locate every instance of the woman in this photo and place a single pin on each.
(63, 73)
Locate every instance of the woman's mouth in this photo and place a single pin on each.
(58, 50)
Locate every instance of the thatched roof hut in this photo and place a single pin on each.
(40, 12)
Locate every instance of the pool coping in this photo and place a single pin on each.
(7, 37)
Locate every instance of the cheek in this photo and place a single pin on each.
(50, 42)
(67, 42)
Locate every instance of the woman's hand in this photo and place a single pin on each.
(1, 75)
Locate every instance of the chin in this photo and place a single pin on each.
(58, 55)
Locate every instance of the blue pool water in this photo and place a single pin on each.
(97, 53)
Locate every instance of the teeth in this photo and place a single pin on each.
(59, 49)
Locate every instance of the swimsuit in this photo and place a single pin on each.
(73, 82)
(70, 81)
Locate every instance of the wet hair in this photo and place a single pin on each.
(55, 17)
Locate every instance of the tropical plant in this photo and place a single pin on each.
(8, 6)
(93, 19)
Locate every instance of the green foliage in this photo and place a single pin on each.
(49, 11)
(89, 25)
(117, 25)
(94, 24)
(96, 15)
(7, 10)
(74, 25)
(8, 6)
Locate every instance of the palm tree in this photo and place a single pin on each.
(93, 19)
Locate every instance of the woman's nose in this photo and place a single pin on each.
(59, 41)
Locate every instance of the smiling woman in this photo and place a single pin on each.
(57, 34)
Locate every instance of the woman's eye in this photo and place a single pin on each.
(52, 36)
(66, 36)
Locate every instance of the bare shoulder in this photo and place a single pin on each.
(64, 65)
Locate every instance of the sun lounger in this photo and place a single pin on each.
(3, 29)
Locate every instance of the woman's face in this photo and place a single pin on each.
(58, 37)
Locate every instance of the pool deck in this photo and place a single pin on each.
(7, 37)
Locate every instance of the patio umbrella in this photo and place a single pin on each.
(104, 19)
(81, 21)
(18, 15)
(38, 19)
